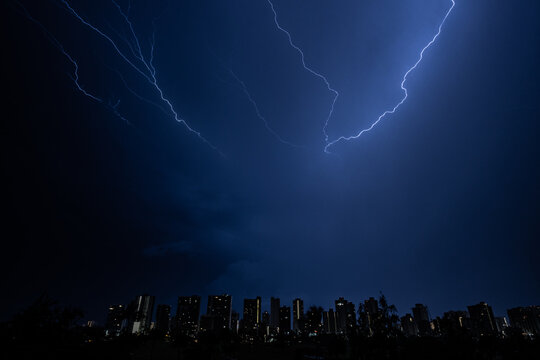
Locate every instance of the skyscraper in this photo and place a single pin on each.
(408, 326)
(370, 314)
(526, 319)
(235, 321)
(187, 314)
(313, 320)
(284, 319)
(274, 312)
(140, 312)
(421, 318)
(252, 313)
(482, 319)
(220, 306)
(345, 316)
(115, 318)
(163, 318)
(455, 321)
(329, 322)
(298, 314)
(371, 306)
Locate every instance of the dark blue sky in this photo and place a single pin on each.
(438, 204)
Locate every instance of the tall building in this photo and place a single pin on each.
(220, 306)
(408, 326)
(371, 306)
(187, 315)
(284, 323)
(313, 320)
(370, 314)
(502, 325)
(163, 318)
(526, 319)
(235, 321)
(207, 323)
(115, 320)
(482, 319)
(455, 322)
(274, 312)
(252, 313)
(140, 312)
(422, 319)
(329, 322)
(265, 318)
(345, 316)
(298, 314)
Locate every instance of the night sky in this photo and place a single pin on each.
(438, 204)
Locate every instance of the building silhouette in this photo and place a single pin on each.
(345, 316)
(252, 313)
(274, 312)
(265, 321)
(284, 324)
(163, 318)
(422, 319)
(220, 307)
(482, 319)
(187, 315)
(455, 322)
(408, 326)
(329, 322)
(526, 319)
(116, 320)
(140, 313)
(235, 321)
(298, 314)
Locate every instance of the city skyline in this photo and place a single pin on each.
(177, 147)
(345, 318)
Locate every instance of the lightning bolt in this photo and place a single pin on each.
(60, 47)
(146, 69)
(143, 65)
(308, 68)
(405, 91)
(258, 112)
(75, 75)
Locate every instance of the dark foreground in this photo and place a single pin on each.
(321, 348)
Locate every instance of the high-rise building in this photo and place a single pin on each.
(284, 323)
(313, 320)
(298, 314)
(265, 318)
(140, 313)
(345, 316)
(455, 322)
(482, 319)
(329, 322)
(187, 315)
(408, 326)
(526, 319)
(422, 319)
(163, 318)
(274, 312)
(371, 306)
(220, 306)
(370, 314)
(115, 319)
(235, 321)
(207, 323)
(252, 313)
(502, 324)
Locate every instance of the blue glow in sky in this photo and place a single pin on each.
(438, 205)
